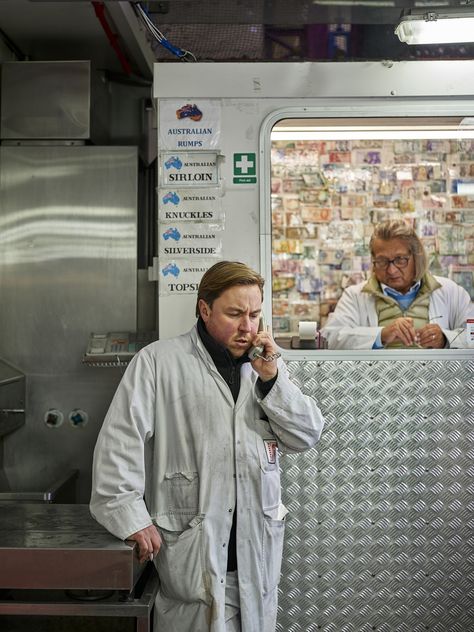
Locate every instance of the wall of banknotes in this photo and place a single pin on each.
(328, 194)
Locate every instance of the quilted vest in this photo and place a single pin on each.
(389, 310)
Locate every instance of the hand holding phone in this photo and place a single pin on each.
(257, 351)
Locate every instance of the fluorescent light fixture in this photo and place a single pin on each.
(356, 3)
(364, 134)
(436, 26)
(380, 128)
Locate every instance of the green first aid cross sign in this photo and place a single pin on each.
(245, 169)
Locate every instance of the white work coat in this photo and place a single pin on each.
(176, 451)
(354, 322)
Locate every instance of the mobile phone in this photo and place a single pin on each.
(258, 350)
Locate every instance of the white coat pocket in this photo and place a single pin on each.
(267, 448)
(180, 563)
(273, 536)
(182, 494)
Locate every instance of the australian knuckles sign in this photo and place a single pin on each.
(190, 205)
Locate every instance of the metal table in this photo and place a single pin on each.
(56, 560)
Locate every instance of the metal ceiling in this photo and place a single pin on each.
(284, 13)
(214, 30)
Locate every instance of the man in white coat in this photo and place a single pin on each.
(402, 304)
(187, 461)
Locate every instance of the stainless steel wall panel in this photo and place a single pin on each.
(380, 534)
(45, 100)
(67, 251)
(67, 268)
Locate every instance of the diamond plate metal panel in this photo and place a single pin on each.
(380, 534)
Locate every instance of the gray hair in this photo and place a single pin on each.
(399, 229)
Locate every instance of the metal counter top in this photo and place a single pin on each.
(55, 546)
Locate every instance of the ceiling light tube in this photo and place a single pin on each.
(361, 134)
(436, 26)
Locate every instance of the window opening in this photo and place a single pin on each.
(332, 180)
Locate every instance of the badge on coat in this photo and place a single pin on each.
(271, 447)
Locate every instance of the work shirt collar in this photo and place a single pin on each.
(227, 365)
(390, 291)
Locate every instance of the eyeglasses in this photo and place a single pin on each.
(398, 262)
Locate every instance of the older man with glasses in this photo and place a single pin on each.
(402, 304)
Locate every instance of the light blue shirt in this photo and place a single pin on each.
(404, 301)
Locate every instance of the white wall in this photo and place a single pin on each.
(255, 96)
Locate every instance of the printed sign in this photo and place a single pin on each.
(182, 276)
(184, 239)
(190, 205)
(189, 168)
(245, 169)
(189, 124)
